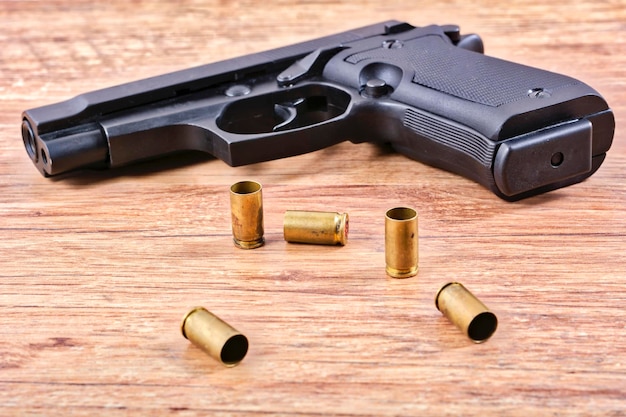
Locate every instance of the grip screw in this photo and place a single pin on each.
(539, 93)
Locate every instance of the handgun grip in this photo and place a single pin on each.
(515, 129)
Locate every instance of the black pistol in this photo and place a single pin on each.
(429, 92)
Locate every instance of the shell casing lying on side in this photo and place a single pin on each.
(466, 311)
(317, 227)
(246, 204)
(214, 336)
(401, 242)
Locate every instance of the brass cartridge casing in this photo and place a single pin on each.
(466, 311)
(246, 204)
(214, 336)
(401, 242)
(318, 227)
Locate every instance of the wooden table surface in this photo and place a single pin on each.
(97, 269)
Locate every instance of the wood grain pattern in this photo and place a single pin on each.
(97, 270)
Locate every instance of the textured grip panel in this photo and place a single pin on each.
(463, 140)
(481, 79)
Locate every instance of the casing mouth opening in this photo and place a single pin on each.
(234, 350)
(401, 213)
(245, 187)
(482, 327)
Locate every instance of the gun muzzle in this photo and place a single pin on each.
(246, 204)
(63, 153)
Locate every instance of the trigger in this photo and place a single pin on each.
(286, 113)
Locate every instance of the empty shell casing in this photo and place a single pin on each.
(466, 311)
(246, 204)
(214, 336)
(318, 227)
(401, 242)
